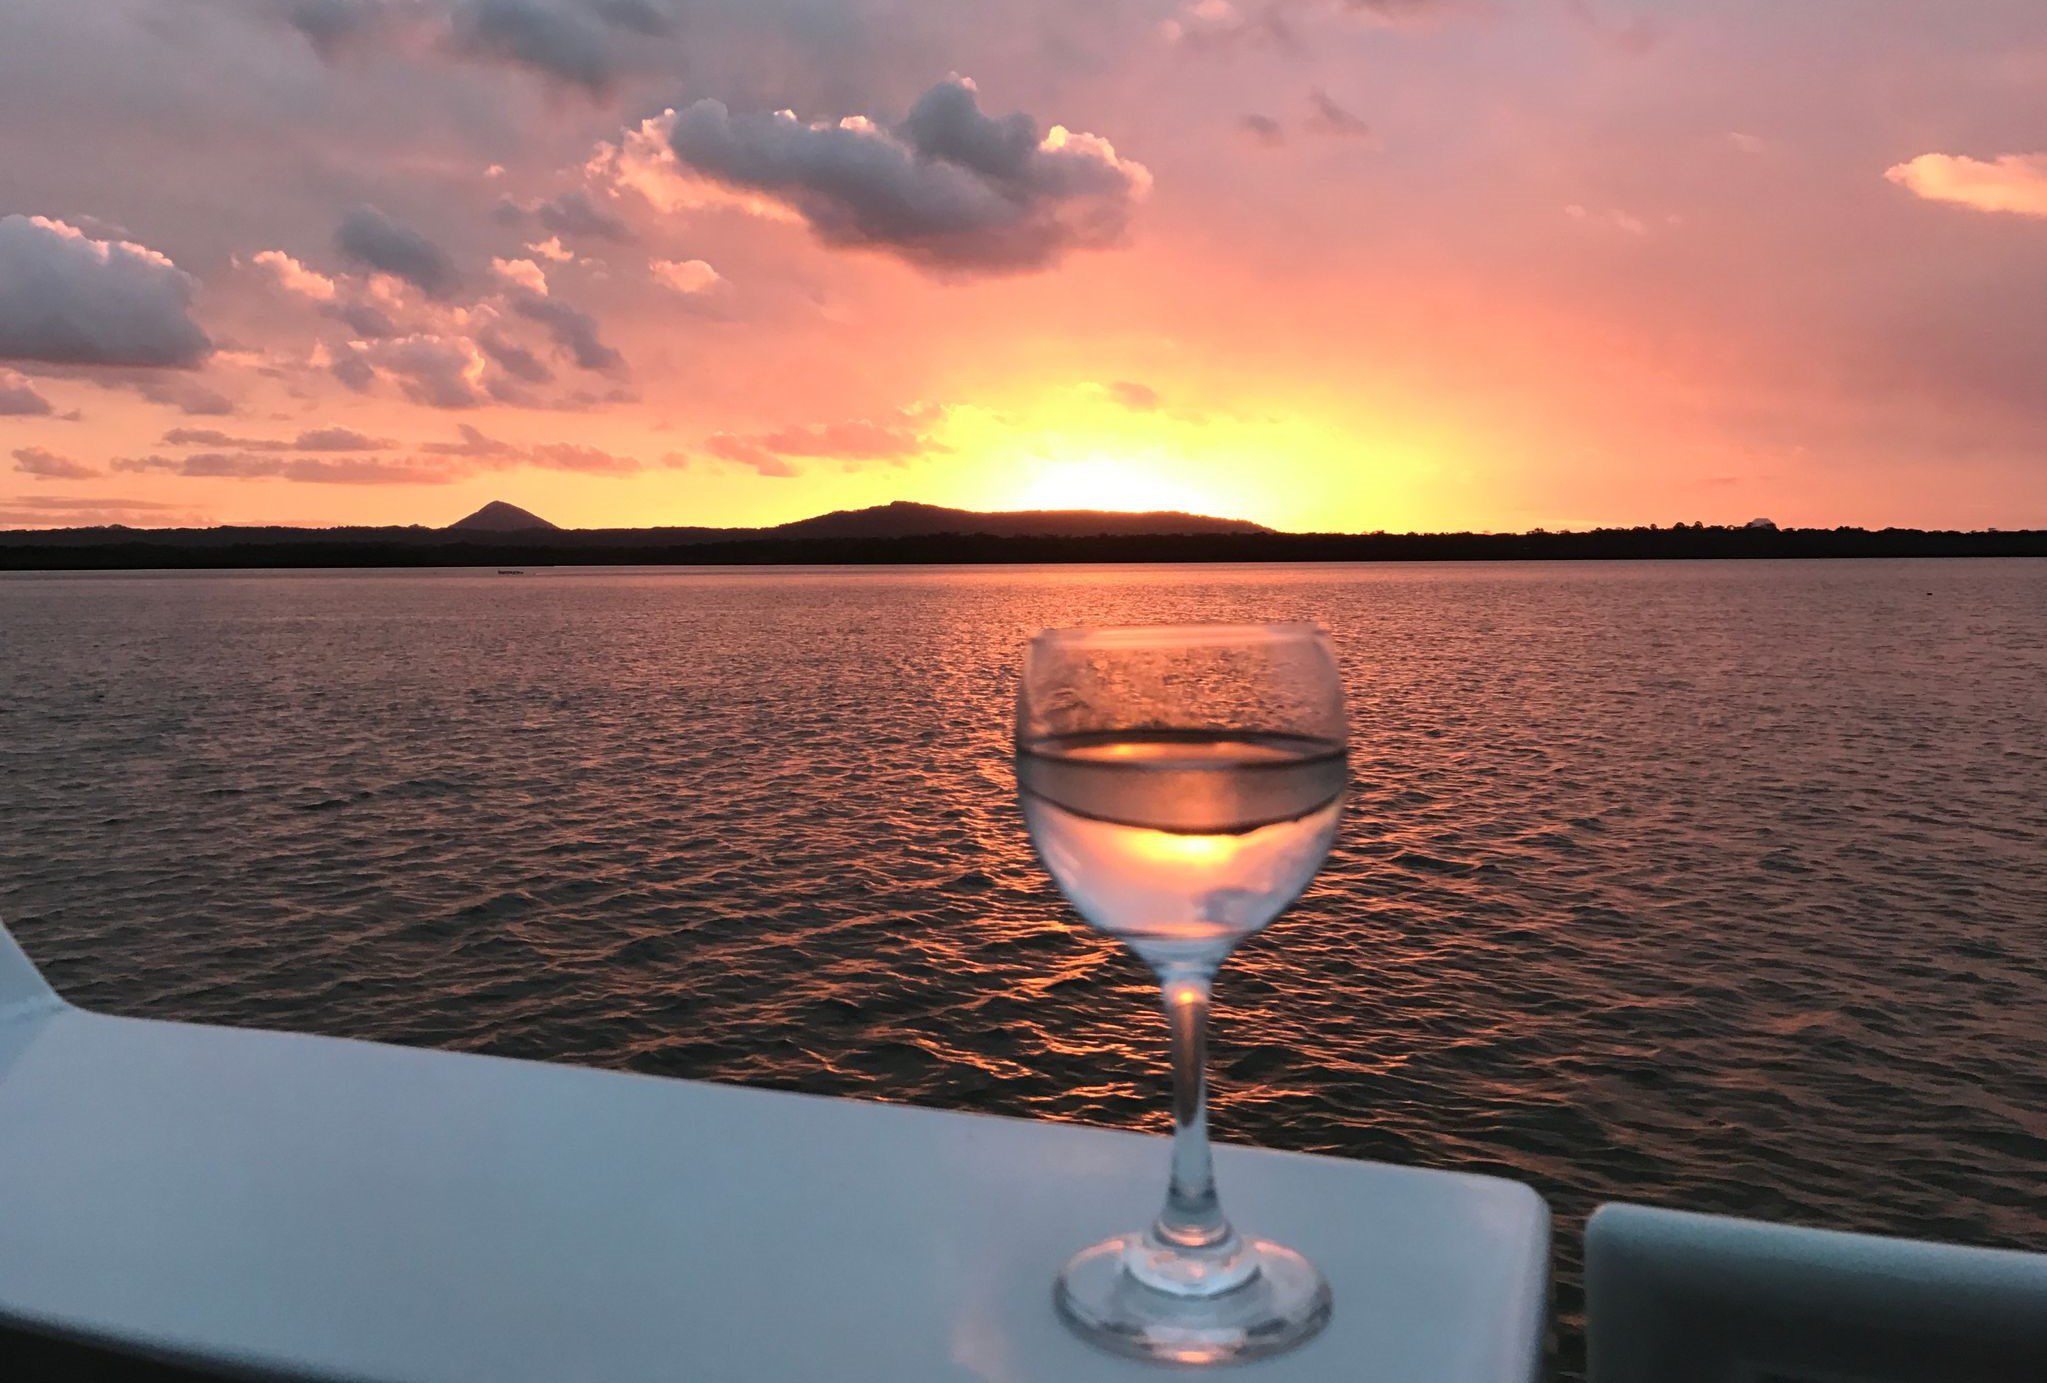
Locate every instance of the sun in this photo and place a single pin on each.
(1111, 483)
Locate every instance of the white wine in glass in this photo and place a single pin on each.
(1182, 785)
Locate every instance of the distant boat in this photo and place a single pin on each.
(510, 571)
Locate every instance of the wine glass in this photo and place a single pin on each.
(1182, 785)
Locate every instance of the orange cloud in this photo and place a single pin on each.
(2011, 182)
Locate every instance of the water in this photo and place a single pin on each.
(1181, 844)
(1717, 885)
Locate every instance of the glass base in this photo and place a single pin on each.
(1282, 1304)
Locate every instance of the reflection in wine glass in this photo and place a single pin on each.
(1182, 785)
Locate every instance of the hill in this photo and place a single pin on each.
(901, 519)
(500, 517)
(922, 533)
(904, 519)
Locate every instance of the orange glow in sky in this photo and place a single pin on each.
(1108, 482)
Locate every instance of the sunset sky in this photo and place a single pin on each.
(1327, 264)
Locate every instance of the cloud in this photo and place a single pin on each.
(1612, 218)
(574, 214)
(1262, 129)
(440, 371)
(1396, 9)
(339, 439)
(686, 276)
(513, 358)
(575, 332)
(643, 162)
(72, 300)
(575, 45)
(2015, 183)
(472, 443)
(584, 44)
(187, 395)
(1218, 26)
(893, 440)
(87, 502)
(466, 354)
(70, 511)
(570, 213)
(1141, 397)
(436, 463)
(294, 277)
(214, 437)
(364, 318)
(569, 456)
(312, 439)
(350, 470)
(19, 399)
(1205, 26)
(369, 237)
(239, 465)
(435, 370)
(725, 447)
(353, 368)
(339, 27)
(552, 249)
(523, 272)
(371, 471)
(44, 464)
(856, 440)
(560, 456)
(1326, 117)
(590, 398)
(1634, 35)
(951, 190)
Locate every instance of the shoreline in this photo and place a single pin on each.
(234, 549)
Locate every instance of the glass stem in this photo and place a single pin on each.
(1192, 1222)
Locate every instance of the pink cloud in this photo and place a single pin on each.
(523, 272)
(894, 440)
(72, 511)
(2016, 183)
(294, 277)
(686, 276)
(19, 399)
(570, 456)
(44, 464)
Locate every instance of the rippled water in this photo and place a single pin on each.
(1718, 885)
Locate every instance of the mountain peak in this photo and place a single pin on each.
(500, 517)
